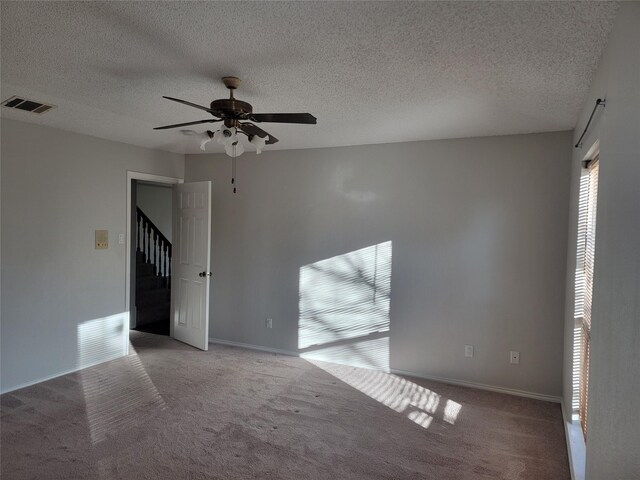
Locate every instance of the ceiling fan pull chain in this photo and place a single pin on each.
(233, 169)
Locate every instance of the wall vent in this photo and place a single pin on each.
(21, 103)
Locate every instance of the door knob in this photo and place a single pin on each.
(205, 274)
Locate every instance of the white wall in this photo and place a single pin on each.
(614, 388)
(155, 201)
(478, 230)
(63, 301)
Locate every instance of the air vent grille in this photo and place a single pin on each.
(21, 103)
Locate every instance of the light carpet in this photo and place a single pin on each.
(168, 411)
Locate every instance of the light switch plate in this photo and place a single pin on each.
(468, 351)
(121, 239)
(102, 239)
(514, 357)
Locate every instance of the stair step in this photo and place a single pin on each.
(150, 282)
(157, 296)
(154, 314)
(157, 328)
(145, 270)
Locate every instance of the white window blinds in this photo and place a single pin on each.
(584, 278)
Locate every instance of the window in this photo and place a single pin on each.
(585, 260)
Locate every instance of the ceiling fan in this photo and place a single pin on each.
(237, 117)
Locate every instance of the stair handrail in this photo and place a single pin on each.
(153, 226)
(161, 260)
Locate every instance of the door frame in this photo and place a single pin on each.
(148, 177)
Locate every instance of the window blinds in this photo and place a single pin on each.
(586, 250)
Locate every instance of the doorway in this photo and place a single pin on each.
(153, 238)
(148, 266)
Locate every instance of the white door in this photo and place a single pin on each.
(191, 263)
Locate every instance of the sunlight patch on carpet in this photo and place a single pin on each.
(419, 404)
(115, 398)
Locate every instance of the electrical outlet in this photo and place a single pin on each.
(514, 357)
(121, 239)
(468, 350)
(269, 323)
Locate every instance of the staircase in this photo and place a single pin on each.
(153, 277)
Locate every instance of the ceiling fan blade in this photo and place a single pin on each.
(186, 124)
(251, 129)
(284, 118)
(195, 105)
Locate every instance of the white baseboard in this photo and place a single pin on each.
(576, 448)
(59, 374)
(250, 346)
(481, 386)
(451, 381)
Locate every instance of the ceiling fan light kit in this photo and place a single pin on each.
(258, 142)
(204, 139)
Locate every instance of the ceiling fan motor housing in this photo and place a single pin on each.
(230, 108)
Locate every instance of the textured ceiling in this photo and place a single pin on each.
(371, 72)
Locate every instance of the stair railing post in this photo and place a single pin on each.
(153, 244)
(148, 248)
(138, 241)
(170, 256)
(157, 254)
(161, 257)
(144, 239)
(167, 265)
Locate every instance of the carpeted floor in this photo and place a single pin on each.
(173, 412)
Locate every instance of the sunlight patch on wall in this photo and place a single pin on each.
(344, 308)
(368, 354)
(119, 397)
(102, 339)
(419, 404)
